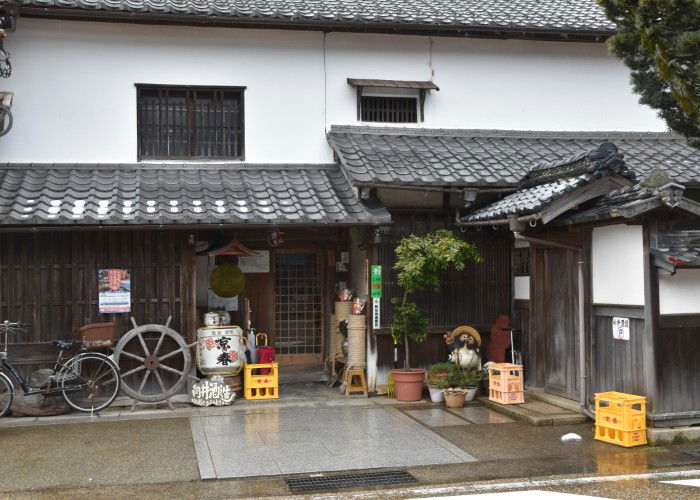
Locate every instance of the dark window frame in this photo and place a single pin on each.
(419, 98)
(393, 108)
(193, 133)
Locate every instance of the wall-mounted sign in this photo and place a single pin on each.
(259, 263)
(212, 392)
(621, 328)
(225, 303)
(114, 290)
(376, 314)
(376, 282)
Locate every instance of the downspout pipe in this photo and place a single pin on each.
(583, 386)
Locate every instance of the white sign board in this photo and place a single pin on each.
(376, 311)
(621, 328)
(256, 264)
(212, 391)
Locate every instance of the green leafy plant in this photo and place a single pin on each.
(443, 367)
(420, 264)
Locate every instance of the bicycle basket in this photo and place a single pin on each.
(98, 335)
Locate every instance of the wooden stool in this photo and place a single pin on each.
(351, 385)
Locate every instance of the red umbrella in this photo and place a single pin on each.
(266, 354)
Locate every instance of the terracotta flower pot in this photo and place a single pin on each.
(408, 384)
(454, 398)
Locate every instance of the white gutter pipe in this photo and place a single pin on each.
(583, 389)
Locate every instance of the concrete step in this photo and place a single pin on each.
(295, 374)
(536, 412)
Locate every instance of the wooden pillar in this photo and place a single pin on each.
(651, 316)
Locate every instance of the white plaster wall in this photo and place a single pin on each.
(75, 95)
(680, 293)
(76, 101)
(521, 287)
(617, 265)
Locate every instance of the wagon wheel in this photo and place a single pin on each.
(156, 353)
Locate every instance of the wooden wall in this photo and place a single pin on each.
(678, 364)
(50, 281)
(475, 296)
(617, 365)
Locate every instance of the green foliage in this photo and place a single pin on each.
(227, 280)
(460, 379)
(421, 260)
(420, 263)
(659, 40)
(444, 367)
(408, 322)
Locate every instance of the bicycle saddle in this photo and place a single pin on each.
(64, 345)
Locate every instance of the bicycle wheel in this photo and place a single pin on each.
(90, 382)
(6, 394)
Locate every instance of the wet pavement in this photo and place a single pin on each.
(250, 448)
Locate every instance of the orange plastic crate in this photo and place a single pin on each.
(506, 377)
(506, 397)
(620, 438)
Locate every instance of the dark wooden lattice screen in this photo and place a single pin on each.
(184, 122)
(298, 303)
(389, 109)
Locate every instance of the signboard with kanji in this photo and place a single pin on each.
(621, 328)
(114, 290)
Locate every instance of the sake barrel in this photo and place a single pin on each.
(220, 350)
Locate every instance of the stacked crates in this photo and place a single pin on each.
(261, 386)
(621, 418)
(506, 383)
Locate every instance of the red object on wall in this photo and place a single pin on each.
(499, 340)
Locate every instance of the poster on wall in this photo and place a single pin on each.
(259, 263)
(114, 290)
(621, 328)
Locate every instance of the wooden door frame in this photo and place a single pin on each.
(301, 359)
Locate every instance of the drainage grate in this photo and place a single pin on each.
(693, 452)
(383, 478)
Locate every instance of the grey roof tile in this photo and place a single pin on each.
(179, 194)
(568, 16)
(488, 158)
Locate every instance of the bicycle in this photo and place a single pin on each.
(89, 381)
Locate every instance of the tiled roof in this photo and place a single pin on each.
(565, 16)
(487, 158)
(548, 182)
(180, 194)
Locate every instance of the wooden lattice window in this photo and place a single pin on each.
(190, 122)
(389, 109)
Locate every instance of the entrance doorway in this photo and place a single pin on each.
(298, 307)
(560, 323)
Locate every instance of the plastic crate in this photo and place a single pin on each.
(621, 418)
(258, 385)
(620, 438)
(506, 397)
(506, 377)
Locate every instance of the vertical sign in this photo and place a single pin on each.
(376, 293)
(114, 290)
(621, 328)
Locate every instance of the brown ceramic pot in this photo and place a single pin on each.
(408, 384)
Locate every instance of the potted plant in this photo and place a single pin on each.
(474, 380)
(455, 388)
(436, 373)
(420, 263)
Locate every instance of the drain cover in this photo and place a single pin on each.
(692, 452)
(382, 478)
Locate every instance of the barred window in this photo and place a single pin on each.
(389, 109)
(190, 122)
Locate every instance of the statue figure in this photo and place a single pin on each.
(464, 343)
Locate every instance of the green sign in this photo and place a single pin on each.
(376, 282)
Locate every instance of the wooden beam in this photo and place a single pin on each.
(651, 316)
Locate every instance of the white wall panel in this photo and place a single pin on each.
(75, 96)
(680, 293)
(521, 288)
(617, 265)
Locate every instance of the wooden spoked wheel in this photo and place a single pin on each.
(155, 362)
